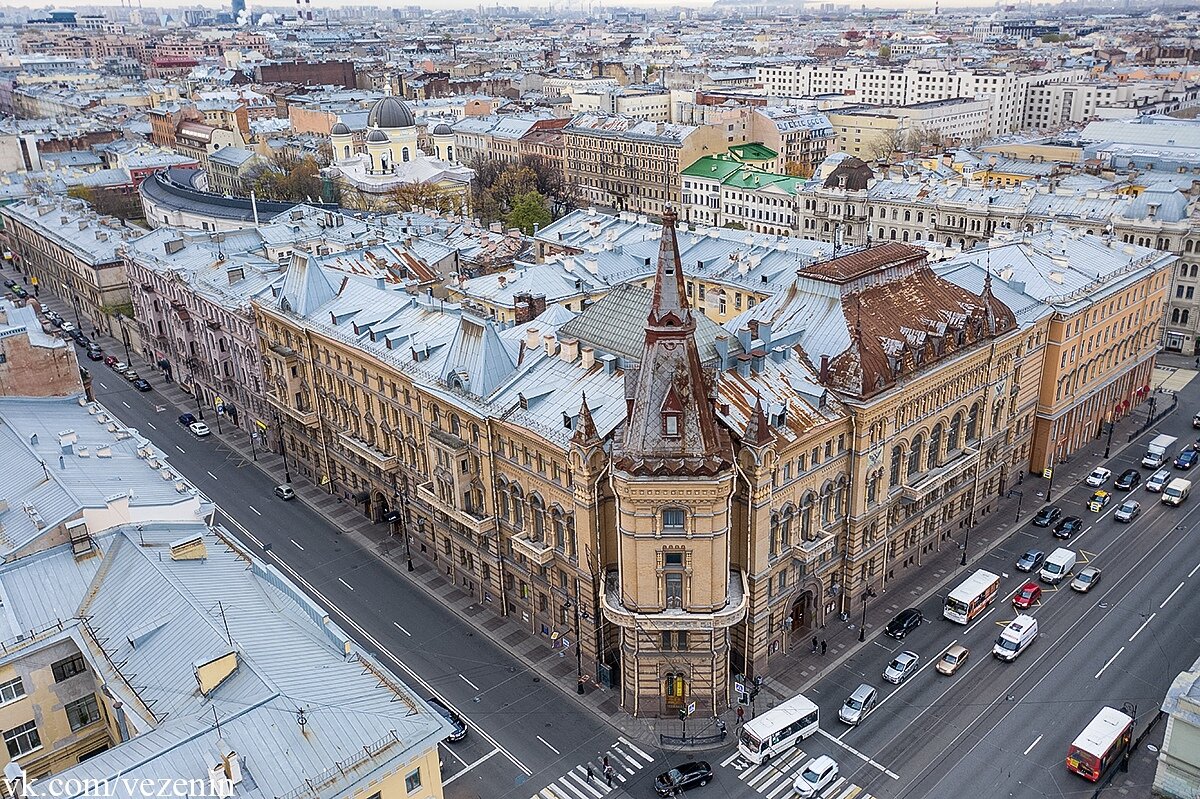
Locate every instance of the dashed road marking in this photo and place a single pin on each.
(297, 545)
(473, 685)
(543, 740)
(343, 582)
(1109, 663)
(1030, 748)
(251, 507)
(401, 629)
(1149, 619)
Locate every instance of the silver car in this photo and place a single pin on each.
(858, 705)
(902, 667)
(1086, 579)
(1158, 480)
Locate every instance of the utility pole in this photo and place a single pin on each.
(862, 630)
(287, 475)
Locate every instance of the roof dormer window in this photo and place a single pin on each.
(671, 425)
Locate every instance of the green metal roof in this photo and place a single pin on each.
(751, 178)
(754, 151)
(712, 167)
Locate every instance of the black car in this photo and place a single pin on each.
(94, 352)
(20, 292)
(460, 729)
(1068, 527)
(1047, 516)
(9, 283)
(682, 777)
(1129, 480)
(141, 385)
(186, 419)
(905, 622)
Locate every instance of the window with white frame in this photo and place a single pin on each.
(23, 739)
(11, 691)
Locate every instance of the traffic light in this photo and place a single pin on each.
(683, 714)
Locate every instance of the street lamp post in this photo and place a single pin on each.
(1108, 444)
(862, 630)
(287, 475)
(402, 495)
(1020, 497)
(578, 644)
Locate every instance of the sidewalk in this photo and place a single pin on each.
(793, 672)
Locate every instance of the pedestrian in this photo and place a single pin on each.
(721, 728)
(824, 646)
(814, 649)
(590, 774)
(741, 715)
(606, 766)
(608, 775)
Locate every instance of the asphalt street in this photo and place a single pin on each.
(992, 730)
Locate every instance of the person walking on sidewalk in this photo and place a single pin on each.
(824, 647)
(741, 715)
(814, 649)
(721, 728)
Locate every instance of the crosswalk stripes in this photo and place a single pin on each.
(775, 778)
(626, 760)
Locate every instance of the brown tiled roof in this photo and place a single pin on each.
(854, 170)
(863, 262)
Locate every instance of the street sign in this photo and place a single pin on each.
(261, 425)
(691, 708)
(739, 687)
(1048, 473)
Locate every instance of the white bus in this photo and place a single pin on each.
(972, 597)
(778, 729)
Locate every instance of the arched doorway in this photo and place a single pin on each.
(801, 615)
(379, 506)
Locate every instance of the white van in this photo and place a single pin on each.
(1016, 637)
(1176, 491)
(1057, 566)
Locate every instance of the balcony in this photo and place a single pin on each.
(924, 485)
(811, 552)
(306, 418)
(286, 353)
(377, 458)
(539, 552)
(485, 525)
(675, 618)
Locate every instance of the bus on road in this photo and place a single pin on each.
(778, 730)
(972, 597)
(1102, 744)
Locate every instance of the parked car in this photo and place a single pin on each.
(858, 705)
(1047, 516)
(1098, 477)
(1031, 561)
(94, 353)
(683, 777)
(67, 327)
(952, 659)
(1027, 596)
(199, 429)
(1158, 480)
(1195, 418)
(1099, 500)
(120, 367)
(817, 775)
(9, 283)
(905, 622)
(1128, 511)
(1186, 459)
(142, 385)
(459, 730)
(902, 667)
(186, 419)
(285, 491)
(1129, 480)
(1068, 527)
(109, 360)
(131, 375)
(1086, 579)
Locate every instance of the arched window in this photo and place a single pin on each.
(449, 152)
(933, 455)
(827, 504)
(806, 511)
(897, 460)
(841, 497)
(346, 151)
(518, 506)
(672, 520)
(1183, 317)
(404, 154)
(774, 545)
(454, 423)
(537, 514)
(952, 438)
(785, 528)
(914, 456)
(502, 497)
(973, 424)
(997, 409)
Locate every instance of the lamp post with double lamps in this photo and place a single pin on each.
(862, 630)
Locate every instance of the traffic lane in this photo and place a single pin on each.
(1048, 654)
(1031, 739)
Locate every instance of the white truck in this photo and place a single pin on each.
(1176, 491)
(1156, 451)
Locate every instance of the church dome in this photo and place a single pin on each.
(377, 136)
(442, 129)
(390, 113)
(339, 129)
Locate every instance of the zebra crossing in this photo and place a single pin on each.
(775, 778)
(626, 760)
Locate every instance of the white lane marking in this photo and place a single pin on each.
(343, 582)
(210, 474)
(297, 545)
(573, 790)
(1109, 663)
(543, 740)
(126, 404)
(900, 687)
(468, 682)
(984, 616)
(103, 386)
(1139, 629)
(452, 753)
(773, 769)
(1194, 570)
(1169, 596)
(251, 507)
(860, 755)
(629, 744)
(179, 448)
(151, 424)
(1035, 743)
(736, 754)
(579, 775)
(349, 622)
(401, 629)
(468, 768)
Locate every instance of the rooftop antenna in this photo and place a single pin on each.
(225, 621)
(216, 721)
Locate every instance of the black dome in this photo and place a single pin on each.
(377, 136)
(442, 129)
(339, 129)
(390, 113)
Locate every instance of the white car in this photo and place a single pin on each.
(1158, 480)
(901, 668)
(1098, 477)
(120, 367)
(67, 327)
(199, 429)
(817, 774)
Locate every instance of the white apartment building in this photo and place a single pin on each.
(1057, 105)
(898, 86)
(650, 104)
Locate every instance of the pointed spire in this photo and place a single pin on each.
(989, 309)
(669, 307)
(758, 429)
(585, 428)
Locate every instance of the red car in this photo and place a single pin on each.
(1029, 594)
(109, 360)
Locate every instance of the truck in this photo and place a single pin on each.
(1176, 491)
(1156, 451)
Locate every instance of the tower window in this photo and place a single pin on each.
(671, 424)
(672, 519)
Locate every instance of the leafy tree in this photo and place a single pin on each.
(498, 185)
(109, 202)
(527, 210)
(422, 195)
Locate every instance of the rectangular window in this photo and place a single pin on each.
(67, 668)
(674, 589)
(11, 691)
(673, 520)
(83, 712)
(23, 739)
(413, 780)
(667, 640)
(681, 640)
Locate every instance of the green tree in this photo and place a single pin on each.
(527, 210)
